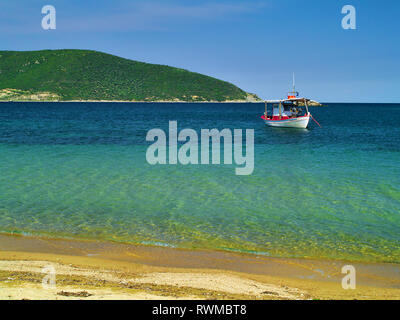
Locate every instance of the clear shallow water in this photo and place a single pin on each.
(79, 170)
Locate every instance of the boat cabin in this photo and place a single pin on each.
(286, 109)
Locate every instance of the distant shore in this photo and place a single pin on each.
(103, 270)
(145, 101)
(128, 101)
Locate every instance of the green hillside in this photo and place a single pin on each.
(89, 75)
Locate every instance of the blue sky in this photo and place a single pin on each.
(253, 44)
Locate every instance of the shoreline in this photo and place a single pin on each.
(126, 101)
(151, 244)
(106, 270)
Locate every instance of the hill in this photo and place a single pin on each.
(69, 75)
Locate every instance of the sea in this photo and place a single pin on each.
(79, 171)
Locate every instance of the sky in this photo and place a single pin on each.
(256, 45)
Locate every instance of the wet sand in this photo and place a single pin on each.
(104, 270)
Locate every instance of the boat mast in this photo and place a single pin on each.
(292, 94)
(294, 85)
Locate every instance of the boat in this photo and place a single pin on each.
(288, 113)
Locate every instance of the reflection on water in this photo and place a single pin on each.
(287, 135)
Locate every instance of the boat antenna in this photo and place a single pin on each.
(293, 94)
(294, 84)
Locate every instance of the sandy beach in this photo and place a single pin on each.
(102, 270)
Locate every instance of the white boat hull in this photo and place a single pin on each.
(301, 122)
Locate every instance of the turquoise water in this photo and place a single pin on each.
(78, 170)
